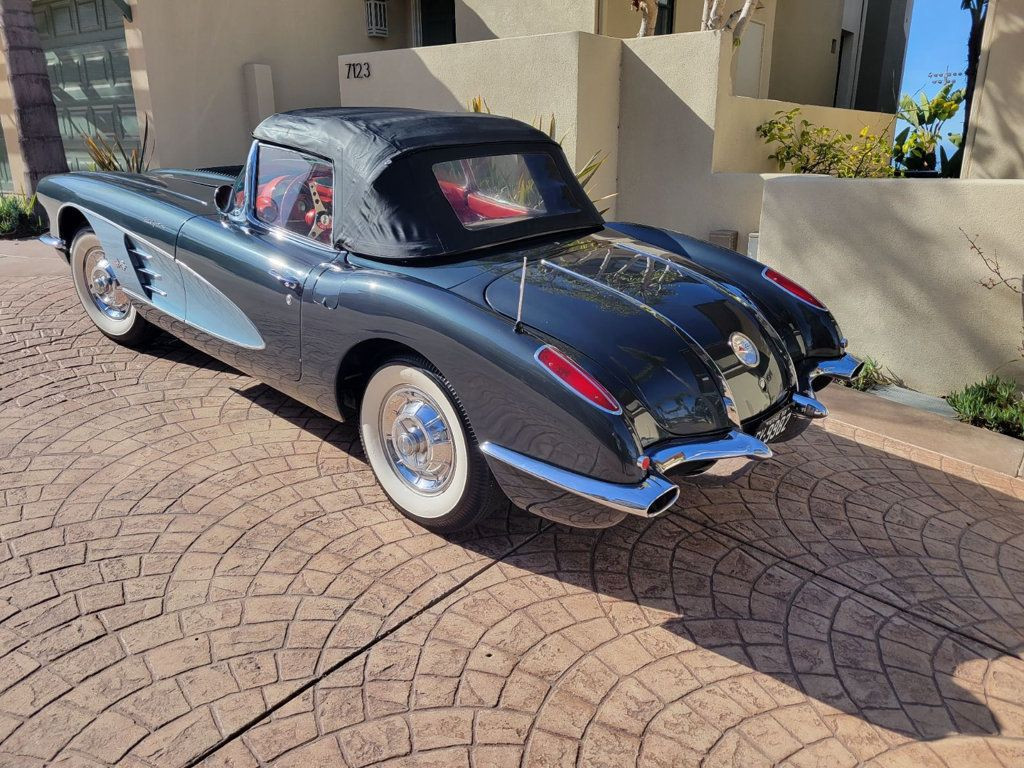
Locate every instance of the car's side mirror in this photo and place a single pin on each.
(222, 197)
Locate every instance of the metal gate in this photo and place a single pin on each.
(87, 61)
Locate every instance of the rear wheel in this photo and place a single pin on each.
(419, 444)
(106, 303)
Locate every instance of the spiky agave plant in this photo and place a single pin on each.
(107, 157)
(584, 175)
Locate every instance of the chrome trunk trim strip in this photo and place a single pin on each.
(729, 400)
(767, 328)
(649, 498)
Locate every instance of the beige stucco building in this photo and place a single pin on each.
(200, 73)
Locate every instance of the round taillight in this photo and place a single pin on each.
(792, 288)
(576, 379)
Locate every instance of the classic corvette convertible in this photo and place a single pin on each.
(444, 281)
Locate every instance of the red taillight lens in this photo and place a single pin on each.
(792, 288)
(576, 379)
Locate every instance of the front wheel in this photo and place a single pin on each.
(419, 444)
(101, 294)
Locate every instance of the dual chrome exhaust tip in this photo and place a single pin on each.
(652, 496)
(846, 367)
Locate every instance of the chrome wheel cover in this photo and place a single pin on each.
(104, 289)
(417, 440)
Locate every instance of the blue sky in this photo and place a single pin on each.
(938, 43)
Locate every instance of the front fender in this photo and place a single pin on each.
(508, 397)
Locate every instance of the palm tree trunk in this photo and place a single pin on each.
(978, 14)
(35, 116)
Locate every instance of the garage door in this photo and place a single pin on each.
(87, 61)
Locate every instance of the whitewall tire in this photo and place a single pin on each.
(101, 295)
(418, 443)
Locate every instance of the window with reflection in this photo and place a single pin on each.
(294, 192)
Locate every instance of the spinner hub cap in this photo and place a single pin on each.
(104, 289)
(417, 440)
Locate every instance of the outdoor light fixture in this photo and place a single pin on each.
(377, 18)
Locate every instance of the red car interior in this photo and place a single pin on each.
(472, 207)
(287, 201)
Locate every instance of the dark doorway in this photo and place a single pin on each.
(437, 22)
(666, 17)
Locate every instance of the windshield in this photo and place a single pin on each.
(500, 189)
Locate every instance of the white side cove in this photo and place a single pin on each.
(151, 275)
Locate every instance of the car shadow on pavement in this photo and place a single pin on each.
(877, 587)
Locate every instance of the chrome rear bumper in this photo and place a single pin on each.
(655, 494)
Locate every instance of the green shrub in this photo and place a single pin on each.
(996, 404)
(871, 376)
(18, 217)
(802, 147)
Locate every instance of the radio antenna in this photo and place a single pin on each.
(518, 328)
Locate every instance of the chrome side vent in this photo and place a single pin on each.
(142, 260)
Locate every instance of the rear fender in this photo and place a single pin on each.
(509, 398)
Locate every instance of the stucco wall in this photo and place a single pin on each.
(888, 258)
(995, 146)
(738, 148)
(667, 123)
(488, 19)
(187, 58)
(804, 66)
(571, 75)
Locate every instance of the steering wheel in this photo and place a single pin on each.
(321, 217)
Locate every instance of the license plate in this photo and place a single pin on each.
(775, 426)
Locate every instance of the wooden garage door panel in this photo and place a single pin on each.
(61, 22)
(90, 76)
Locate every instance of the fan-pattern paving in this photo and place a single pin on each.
(183, 549)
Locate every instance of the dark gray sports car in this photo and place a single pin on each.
(444, 280)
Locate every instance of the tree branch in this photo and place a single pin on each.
(714, 15)
(648, 16)
(749, 6)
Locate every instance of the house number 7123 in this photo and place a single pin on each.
(359, 70)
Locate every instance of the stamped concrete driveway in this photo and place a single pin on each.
(195, 569)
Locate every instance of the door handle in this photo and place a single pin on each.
(288, 281)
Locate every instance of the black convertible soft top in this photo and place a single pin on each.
(387, 203)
